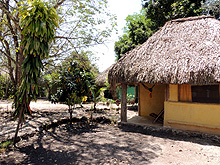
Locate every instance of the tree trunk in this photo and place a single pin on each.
(70, 112)
(94, 106)
(6, 89)
(124, 103)
(19, 122)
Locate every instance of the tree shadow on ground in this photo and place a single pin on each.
(174, 134)
(71, 130)
(95, 145)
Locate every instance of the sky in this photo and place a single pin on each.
(121, 8)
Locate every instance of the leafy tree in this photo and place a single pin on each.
(79, 21)
(186, 8)
(83, 58)
(123, 45)
(139, 27)
(38, 22)
(161, 11)
(158, 11)
(136, 32)
(74, 85)
(50, 77)
(211, 7)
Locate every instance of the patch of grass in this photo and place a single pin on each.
(5, 144)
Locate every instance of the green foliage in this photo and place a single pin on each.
(49, 83)
(161, 11)
(5, 144)
(96, 94)
(186, 8)
(136, 32)
(83, 23)
(6, 88)
(158, 11)
(211, 7)
(130, 99)
(123, 45)
(83, 58)
(51, 76)
(139, 27)
(27, 28)
(50, 79)
(74, 84)
(39, 21)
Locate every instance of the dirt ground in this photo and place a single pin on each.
(86, 143)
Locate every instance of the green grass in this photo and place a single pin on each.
(5, 144)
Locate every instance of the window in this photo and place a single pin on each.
(205, 93)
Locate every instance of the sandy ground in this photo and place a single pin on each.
(98, 143)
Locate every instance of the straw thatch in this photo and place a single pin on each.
(183, 51)
(102, 77)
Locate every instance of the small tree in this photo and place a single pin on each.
(96, 94)
(74, 85)
(38, 22)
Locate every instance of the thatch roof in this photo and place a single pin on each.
(102, 77)
(183, 51)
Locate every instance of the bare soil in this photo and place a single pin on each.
(95, 143)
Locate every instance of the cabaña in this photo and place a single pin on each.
(181, 62)
(101, 80)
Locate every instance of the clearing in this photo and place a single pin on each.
(95, 143)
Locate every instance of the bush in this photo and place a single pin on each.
(6, 88)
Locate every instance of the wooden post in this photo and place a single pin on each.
(124, 102)
(139, 100)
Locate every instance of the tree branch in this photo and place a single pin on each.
(7, 56)
(4, 70)
(59, 3)
(71, 38)
(10, 16)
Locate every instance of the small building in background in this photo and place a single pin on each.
(102, 81)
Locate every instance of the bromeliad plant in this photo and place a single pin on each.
(39, 21)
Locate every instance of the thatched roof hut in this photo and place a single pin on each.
(183, 51)
(102, 77)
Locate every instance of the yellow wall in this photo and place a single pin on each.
(180, 115)
(192, 116)
(151, 105)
